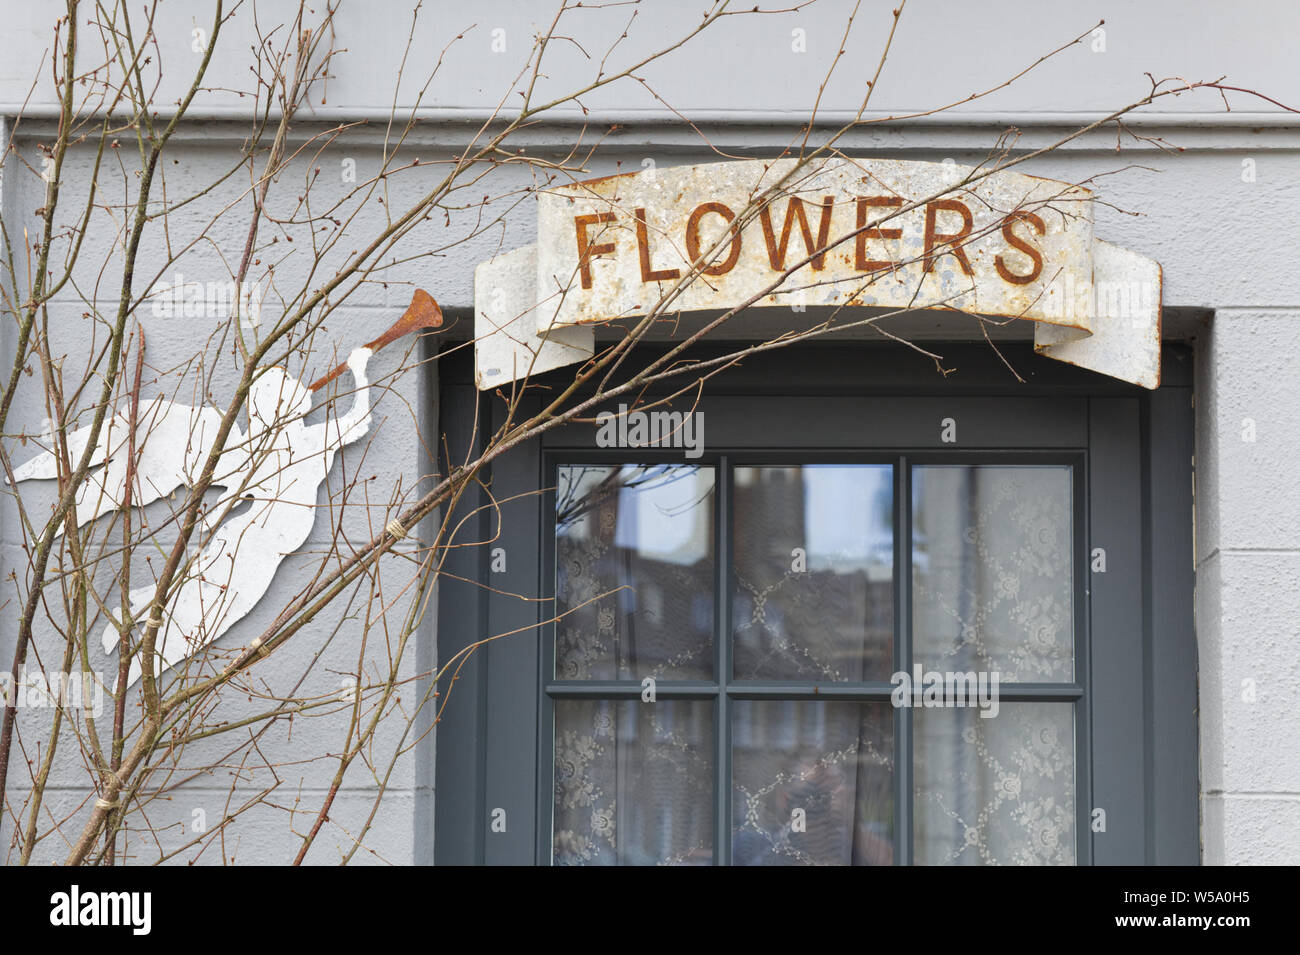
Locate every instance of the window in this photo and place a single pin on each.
(726, 642)
(720, 684)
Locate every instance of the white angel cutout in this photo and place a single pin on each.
(277, 467)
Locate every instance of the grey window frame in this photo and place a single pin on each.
(1131, 449)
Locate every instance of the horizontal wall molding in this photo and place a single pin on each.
(744, 132)
(661, 117)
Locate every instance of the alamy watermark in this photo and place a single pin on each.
(932, 688)
(182, 299)
(36, 690)
(1133, 302)
(76, 907)
(651, 429)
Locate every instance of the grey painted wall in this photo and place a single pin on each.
(1226, 240)
(942, 53)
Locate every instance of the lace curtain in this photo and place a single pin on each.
(992, 591)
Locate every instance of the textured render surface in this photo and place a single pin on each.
(1261, 677)
(1248, 601)
(1247, 421)
(1214, 215)
(1251, 829)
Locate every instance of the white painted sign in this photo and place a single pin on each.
(875, 233)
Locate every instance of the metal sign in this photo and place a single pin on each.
(873, 233)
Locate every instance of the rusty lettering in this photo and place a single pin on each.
(693, 237)
(865, 203)
(586, 250)
(795, 209)
(1016, 242)
(952, 239)
(649, 274)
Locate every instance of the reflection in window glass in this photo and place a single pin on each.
(812, 783)
(633, 782)
(634, 572)
(812, 595)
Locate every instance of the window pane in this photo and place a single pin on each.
(996, 791)
(648, 531)
(834, 762)
(992, 574)
(813, 576)
(634, 782)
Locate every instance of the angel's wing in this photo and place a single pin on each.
(45, 467)
(112, 438)
(179, 440)
(172, 443)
